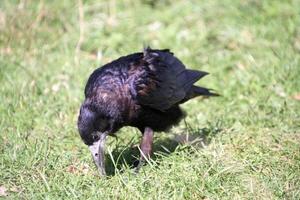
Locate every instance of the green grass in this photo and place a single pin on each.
(247, 141)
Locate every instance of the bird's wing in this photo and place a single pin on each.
(161, 80)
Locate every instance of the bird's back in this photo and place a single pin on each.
(112, 75)
(155, 78)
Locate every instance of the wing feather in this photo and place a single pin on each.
(165, 81)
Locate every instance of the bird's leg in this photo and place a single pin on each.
(145, 147)
(97, 150)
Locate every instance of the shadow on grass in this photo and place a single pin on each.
(124, 156)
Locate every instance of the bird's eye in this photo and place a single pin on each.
(95, 137)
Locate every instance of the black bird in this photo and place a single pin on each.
(141, 90)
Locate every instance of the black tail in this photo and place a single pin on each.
(190, 77)
(198, 91)
(202, 91)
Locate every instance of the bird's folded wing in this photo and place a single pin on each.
(165, 81)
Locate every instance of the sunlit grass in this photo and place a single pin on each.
(242, 145)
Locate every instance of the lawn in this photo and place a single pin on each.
(242, 145)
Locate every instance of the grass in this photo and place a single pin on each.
(246, 142)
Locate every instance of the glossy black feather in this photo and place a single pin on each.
(140, 90)
(172, 80)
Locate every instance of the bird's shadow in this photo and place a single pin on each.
(127, 155)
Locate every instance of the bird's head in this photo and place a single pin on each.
(91, 124)
(93, 127)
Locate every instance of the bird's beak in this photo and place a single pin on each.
(97, 150)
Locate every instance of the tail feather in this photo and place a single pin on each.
(203, 91)
(193, 76)
(196, 91)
